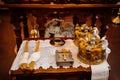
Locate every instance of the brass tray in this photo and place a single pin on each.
(87, 60)
(57, 42)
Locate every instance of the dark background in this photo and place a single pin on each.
(7, 45)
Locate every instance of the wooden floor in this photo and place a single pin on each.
(7, 44)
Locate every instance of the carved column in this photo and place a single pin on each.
(17, 16)
(26, 33)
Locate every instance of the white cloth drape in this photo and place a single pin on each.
(100, 72)
(47, 58)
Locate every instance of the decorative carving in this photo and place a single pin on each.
(17, 16)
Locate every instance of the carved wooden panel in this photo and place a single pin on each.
(91, 16)
(76, 16)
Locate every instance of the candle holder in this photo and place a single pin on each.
(116, 20)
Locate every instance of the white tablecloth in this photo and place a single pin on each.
(100, 72)
(47, 58)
